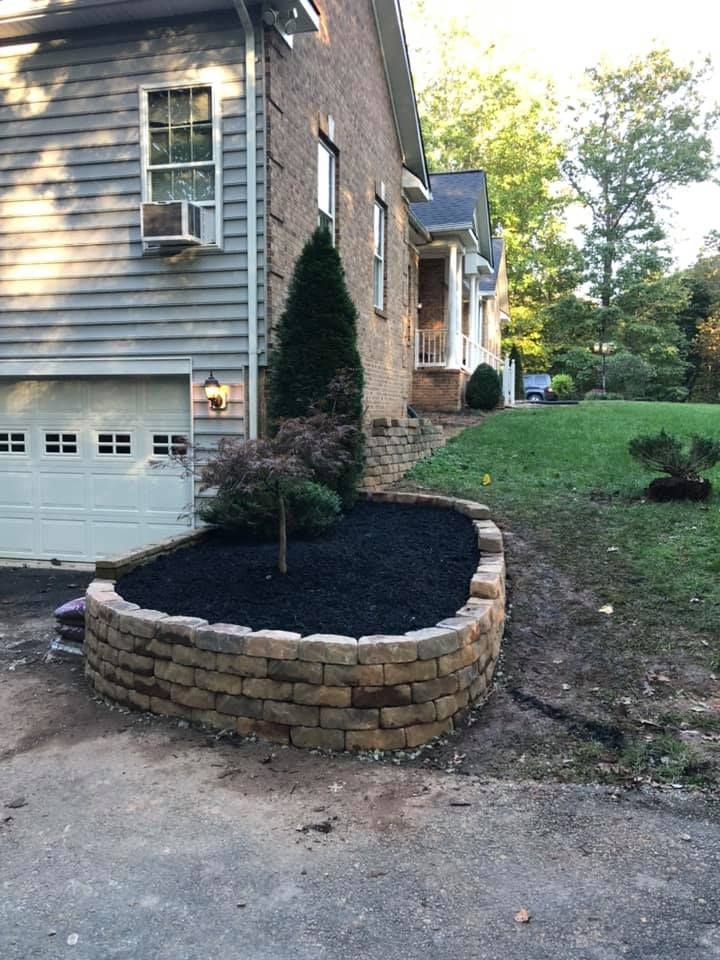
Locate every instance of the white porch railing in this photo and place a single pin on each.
(430, 348)
(508, 381)
(469, 353)
(473, 355)
(431, 351)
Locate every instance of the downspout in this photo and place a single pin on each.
(252, 213)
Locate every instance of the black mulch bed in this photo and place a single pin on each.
(386, 568)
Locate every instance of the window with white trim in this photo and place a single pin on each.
(63, 443)
(180, 142)
(181, 147)
(327, 162)
(13, 442)
(379, 217)
(169, 444)
(114, 444)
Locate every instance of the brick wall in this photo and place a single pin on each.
(394, 445)
(439, 390)
(433, 295)
(340, 72)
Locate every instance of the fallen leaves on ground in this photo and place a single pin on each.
(522, 916)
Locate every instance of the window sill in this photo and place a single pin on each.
(150, 250)
(380, 313)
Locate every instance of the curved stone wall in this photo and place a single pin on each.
(320, 691)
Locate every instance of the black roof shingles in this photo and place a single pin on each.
(487, 282)
(455, 198)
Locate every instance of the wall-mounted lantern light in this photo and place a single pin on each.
(217, 394)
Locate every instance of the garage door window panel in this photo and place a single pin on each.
(169, 444)
(62, 444)
(13, 442)
(114, 444)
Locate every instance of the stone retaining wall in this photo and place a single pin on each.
(328, 692)
(393, 446)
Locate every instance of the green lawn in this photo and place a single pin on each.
(584, 693)
(565, 474)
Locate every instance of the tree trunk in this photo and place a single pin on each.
(282, 535)
(607, 276)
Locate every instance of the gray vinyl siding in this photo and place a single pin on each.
(73, 278)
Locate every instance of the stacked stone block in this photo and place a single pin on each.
(319, 691)
(394, 445)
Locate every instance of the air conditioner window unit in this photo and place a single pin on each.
(172, 223)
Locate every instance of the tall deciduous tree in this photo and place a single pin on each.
(706, 387)
(476, 115)
(649, 328)
(642, 130)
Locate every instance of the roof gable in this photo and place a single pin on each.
(459, 203)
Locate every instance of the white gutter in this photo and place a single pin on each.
(252, 209)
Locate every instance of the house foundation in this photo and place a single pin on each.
(442, 391)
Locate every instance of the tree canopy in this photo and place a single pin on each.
(476, 115)
(618, 150)
(641, 130)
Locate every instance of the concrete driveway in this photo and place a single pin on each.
(126, 837)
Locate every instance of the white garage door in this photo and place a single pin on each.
(84, 465)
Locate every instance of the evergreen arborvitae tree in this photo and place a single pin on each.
(316, 343)
(516, 355)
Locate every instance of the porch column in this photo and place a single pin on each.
(454, 314)
(481, 320)
(474, 319)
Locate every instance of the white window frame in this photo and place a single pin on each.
(217, 203)
(379, 255)
(25, 441)
(60, 432)
(114, 443)
(332, 213)
(170, 434)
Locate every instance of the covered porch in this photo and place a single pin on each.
(459, 311)
(455, 331)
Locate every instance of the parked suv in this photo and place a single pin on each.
(537, 387)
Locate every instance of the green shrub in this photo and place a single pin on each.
(628, 375)
(484, 388)
(706, 388)
(662, 451)
(669, 394)
(312, 509)
(599, 395)
(316, 347)
(563, 385)
(516, 355)
(582, 365)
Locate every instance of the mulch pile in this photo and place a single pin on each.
(386, 568)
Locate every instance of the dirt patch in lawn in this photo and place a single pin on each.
(385, 569)
(574, 699)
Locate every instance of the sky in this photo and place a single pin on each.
(560, 38)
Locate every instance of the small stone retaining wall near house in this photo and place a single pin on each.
(327, 692)
(393, 446)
